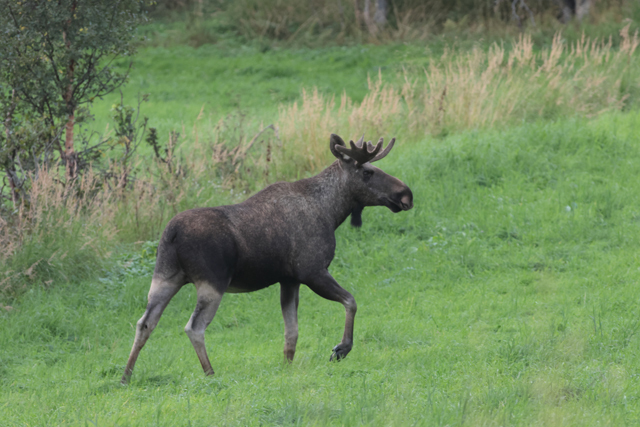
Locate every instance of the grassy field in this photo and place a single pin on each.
(507, 296)
(182, 81)
(187, 84)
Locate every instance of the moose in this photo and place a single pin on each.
(283, 234)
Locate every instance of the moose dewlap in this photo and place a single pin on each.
(283, 234)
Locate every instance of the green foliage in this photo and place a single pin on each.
(26, 142)
(505, 297)
(132, 265)
(56, 57)
(57, 251)
(129, 132)
(125, 124)
(60, 53)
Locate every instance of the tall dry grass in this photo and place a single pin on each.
(63, 233)
(68, 232)
(473, 90)
(57, 226)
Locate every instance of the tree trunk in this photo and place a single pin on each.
(582, 9)
(356, 11)
(380, 17)
(570, 8)
(10, 167)
(371, 26)
(10, 171)
(70, 156)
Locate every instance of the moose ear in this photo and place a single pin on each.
(336, 140)
(356, 216)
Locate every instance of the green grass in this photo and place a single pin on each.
(182, 80)
(507, 296)
(188, 85)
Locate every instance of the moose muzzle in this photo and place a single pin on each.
(401, 200)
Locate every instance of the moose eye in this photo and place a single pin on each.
(367, 173)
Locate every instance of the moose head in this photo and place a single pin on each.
(370, 185)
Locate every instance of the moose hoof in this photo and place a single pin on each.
(125, 378)
(339, 352)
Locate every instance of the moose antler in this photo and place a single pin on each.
(385, 151)
(363, 152)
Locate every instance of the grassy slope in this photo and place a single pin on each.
(181, 80)
(508, 296)
(257, 76)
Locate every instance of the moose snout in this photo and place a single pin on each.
(406, 202)
(401, 200)
(406, 199)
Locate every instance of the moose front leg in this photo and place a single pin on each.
(289, 297)
(326, 286)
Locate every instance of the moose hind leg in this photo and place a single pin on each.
(327, 287)
(160, 294)
(208, 301)
(289, 297)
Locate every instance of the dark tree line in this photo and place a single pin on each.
(286, 19)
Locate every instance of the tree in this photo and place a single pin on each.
(379, 19)
(59, 55)
(25, 140)
(570, 8)
(25, 134)
(566, 9)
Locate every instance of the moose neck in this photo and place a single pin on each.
(332, 191)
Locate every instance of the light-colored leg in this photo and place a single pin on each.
(159, 296)
(208, 301)
(289, 297)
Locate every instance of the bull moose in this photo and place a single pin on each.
(283, 234)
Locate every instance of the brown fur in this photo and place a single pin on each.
(283, 234)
